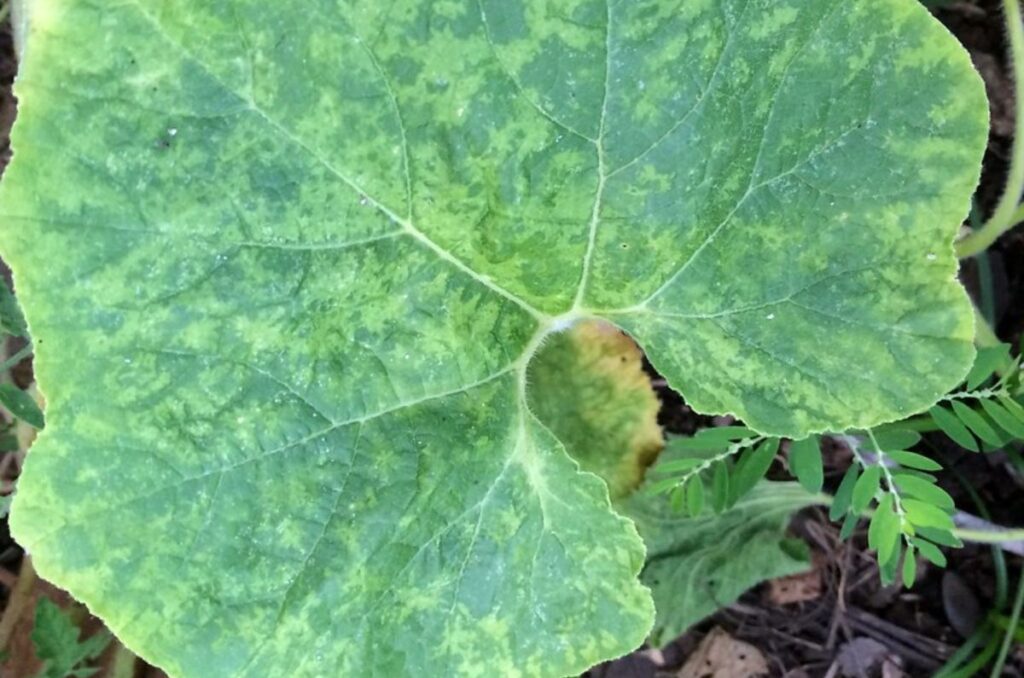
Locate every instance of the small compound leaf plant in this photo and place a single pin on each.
(289, 267)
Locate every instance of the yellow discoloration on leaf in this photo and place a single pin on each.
(589, 387)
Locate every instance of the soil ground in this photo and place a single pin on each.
(840, 614)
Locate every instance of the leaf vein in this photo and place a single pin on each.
(602, 174)
(520, 90)
(701, 99)
(320, 433)
(419, 235)
(310, 553)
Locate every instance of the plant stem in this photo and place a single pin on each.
(920, 423)
(978, 663)
(996, 536)
(998, 559)
(1018, 216)
(734, 449)
(986, 286)
(124, 662)
(16, 358)
(893, 490)
(963, 653)
(980, 394)
(984, 335)
(19, 599)
(989, 536)
(1018, 604)
(1007, 211)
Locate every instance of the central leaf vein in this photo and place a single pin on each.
(602, 173)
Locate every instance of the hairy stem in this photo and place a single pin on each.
(733, 450)
(1004, 649)
(984, 335)
(25, 352)
(989, 536)
(124, 663)
(1008, 212)
(19, 600)
(995, 536)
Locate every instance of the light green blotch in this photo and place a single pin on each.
(774, 21)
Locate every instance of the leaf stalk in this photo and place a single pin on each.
(1008, 212)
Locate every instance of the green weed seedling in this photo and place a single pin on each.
(57, 643)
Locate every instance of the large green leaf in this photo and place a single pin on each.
(287, 264)
(698, 565)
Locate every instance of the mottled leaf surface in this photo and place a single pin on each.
(696, 565)
(588, 386)
(287, 263)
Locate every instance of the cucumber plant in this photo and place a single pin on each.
(288, 264)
